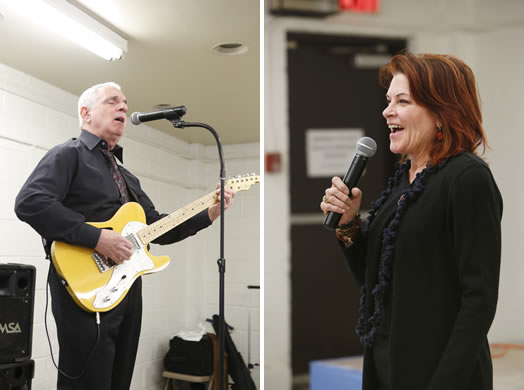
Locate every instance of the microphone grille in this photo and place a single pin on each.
(134, 118)
(366, 147)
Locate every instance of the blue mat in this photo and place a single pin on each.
(336, 374)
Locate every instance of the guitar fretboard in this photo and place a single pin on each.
(155, 230)
(164, 225)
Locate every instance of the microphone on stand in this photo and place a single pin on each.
(366, 148)
(172, 113)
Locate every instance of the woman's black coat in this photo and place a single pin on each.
(444, 284)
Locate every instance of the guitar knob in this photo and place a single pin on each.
(107, 299)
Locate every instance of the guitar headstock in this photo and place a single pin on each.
(243, 182)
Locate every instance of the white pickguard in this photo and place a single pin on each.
(124, 274)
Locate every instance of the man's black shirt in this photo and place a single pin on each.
(72, 184)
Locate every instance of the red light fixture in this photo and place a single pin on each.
(359, 5)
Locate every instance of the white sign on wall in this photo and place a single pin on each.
(329, 151)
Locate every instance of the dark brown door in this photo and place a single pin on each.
(333, 84)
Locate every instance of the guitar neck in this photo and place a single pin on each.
(162, 226)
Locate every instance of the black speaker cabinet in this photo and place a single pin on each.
(17, 376)
(17, 292)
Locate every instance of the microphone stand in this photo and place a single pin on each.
(221, 262)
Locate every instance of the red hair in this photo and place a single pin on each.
(446, 86)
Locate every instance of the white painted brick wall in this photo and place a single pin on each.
(34, 116)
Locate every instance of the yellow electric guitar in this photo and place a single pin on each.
(95, 282)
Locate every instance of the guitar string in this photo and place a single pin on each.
(162, 226)
(150, 232)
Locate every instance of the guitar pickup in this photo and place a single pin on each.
(103, 263)
(134, 242)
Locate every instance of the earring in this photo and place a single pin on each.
(440, 134)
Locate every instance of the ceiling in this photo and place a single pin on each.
(169, 60)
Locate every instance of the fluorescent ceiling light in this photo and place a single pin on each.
(62, 17)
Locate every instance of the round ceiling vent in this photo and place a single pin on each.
(230, 49)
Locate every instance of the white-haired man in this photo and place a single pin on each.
(75, 182)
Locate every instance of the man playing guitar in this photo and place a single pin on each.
(80, 181)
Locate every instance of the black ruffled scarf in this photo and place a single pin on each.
(367, 326)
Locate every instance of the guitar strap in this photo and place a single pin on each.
(47, 248)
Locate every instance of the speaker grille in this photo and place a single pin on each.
(17, 283)
(17, 376)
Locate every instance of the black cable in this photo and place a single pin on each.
(74, 378)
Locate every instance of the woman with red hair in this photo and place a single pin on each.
(428, 257)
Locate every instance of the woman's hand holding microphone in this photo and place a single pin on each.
(337, 199)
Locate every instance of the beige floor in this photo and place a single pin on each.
(508, 370)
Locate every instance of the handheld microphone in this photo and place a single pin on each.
(366, 148)
(171, 113)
